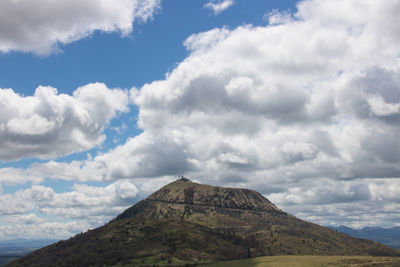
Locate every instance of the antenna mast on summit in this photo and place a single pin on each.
(183, 178)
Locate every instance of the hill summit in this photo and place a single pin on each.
(187, 222)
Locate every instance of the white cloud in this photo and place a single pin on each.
(248, 99)
(17, 227)
(41, 26)
(357, 203)
(380, 107)
(49, 124)
(276, 17)
(299, 105)
(14, 176)
(218, 7)
(77, 210)
(84, 200)
(283, 104)
(305, 111)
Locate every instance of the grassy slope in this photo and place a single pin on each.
(278, 261)
(311, 261)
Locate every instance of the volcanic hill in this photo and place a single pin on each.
(189, 222)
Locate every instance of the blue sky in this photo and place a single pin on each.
(152, 49)
(145, 55)
(101, 106)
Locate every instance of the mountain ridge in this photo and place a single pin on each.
(164, 195)
(184, 221)
(387, 236)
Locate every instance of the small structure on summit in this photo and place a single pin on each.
(183, 179)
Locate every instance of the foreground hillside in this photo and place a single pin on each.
(190, 222)
(312, 261)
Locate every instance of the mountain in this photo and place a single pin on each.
(189, 222)
(389, 237)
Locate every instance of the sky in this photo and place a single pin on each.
(103, 102)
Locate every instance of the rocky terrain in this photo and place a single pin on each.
(186, 222)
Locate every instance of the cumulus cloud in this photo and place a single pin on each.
(313, 95)
(41, 26)
(304, 110)
(357, 203)
(249, 100)
(85, 200)
(77, 210)
(49, 124)
(16, 176)
(276, 17)
(218, 7)
(17, 227)
(380, 107)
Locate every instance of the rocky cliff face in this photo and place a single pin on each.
(183, 198)
(186, 222)
(204, 195)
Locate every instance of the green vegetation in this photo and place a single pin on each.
(185, 223)
(311, 261)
